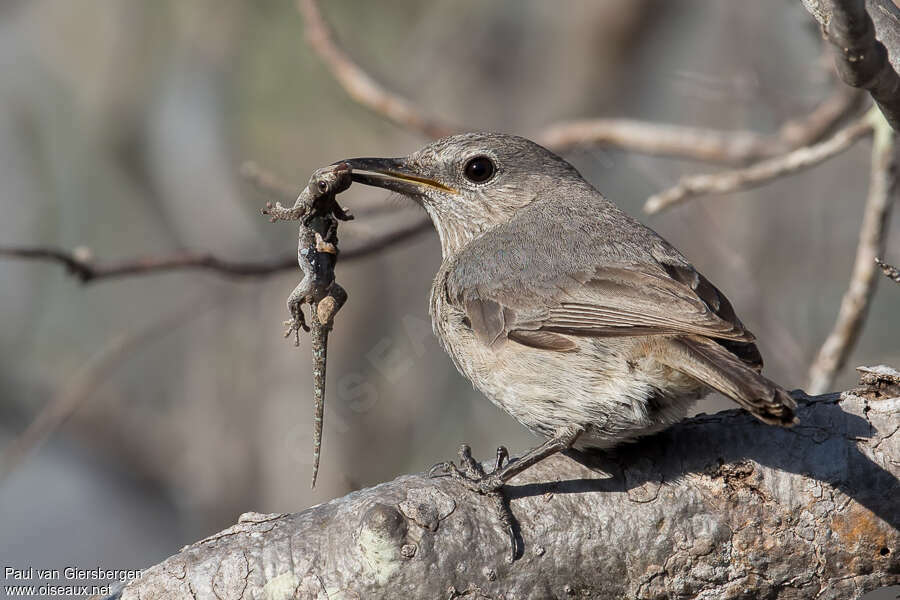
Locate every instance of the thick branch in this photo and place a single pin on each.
(864, 277)
(866, 42)
(691, 186)
(80, 264)
(719, 506)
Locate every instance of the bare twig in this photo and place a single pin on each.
(864, 277)
(401, 234)
(88, 271)
(268, 182)
(699, 143)
(890, 271)
(359, 84)
(861, 59)
(81, 386)
(691, 186)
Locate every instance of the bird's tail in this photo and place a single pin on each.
(712, 364)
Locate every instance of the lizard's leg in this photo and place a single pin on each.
(295, 304)
(277, 212)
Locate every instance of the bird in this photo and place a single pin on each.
(583, 324)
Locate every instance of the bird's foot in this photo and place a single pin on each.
(472, 476)
(470, 473)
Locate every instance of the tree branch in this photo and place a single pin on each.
(628, 134)
(269, 183)
(711, 145)
(80, 264)
(359, 85)
(83, 384)
(691, 186)
(864, 277)
(719, 506)
(861, 58)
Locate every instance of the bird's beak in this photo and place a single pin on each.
(393, 174)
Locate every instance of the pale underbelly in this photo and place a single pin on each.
(609, 386)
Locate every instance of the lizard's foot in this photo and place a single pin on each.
(342, 214)
(294, 325)
(471, 475)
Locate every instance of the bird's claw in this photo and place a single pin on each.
(471, 475)
(442, 469)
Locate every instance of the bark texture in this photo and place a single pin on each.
(866, 38)
(720, 506)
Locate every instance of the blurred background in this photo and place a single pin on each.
(123, 126)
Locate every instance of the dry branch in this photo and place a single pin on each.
(81, 265)
(863, 40)
(691, 186)
(864, 277)
(83, 384)
(359, 85)
(628, 134)
(720, 506)
(711, 145)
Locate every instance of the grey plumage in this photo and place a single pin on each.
(562, 309)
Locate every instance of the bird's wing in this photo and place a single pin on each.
(533, 295)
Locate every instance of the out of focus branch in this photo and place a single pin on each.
(864, 277)
(359, 85)
(861, 57)
(719, 506)
(890, 271)
(81, 265)
(82, 385)
(691, 186)
(711, 145)
(269, 183)
(628, 134)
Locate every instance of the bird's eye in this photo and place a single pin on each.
(479, 169)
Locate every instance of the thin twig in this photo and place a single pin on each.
(359, 84)
(401, 234)
(268, 182)
(725, 182)
(82, 385)
(890, 271)
(864, 277)
(711, 145)
(87, 270)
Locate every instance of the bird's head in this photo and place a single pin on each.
(470, 182)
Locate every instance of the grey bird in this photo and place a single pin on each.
(583, 324)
